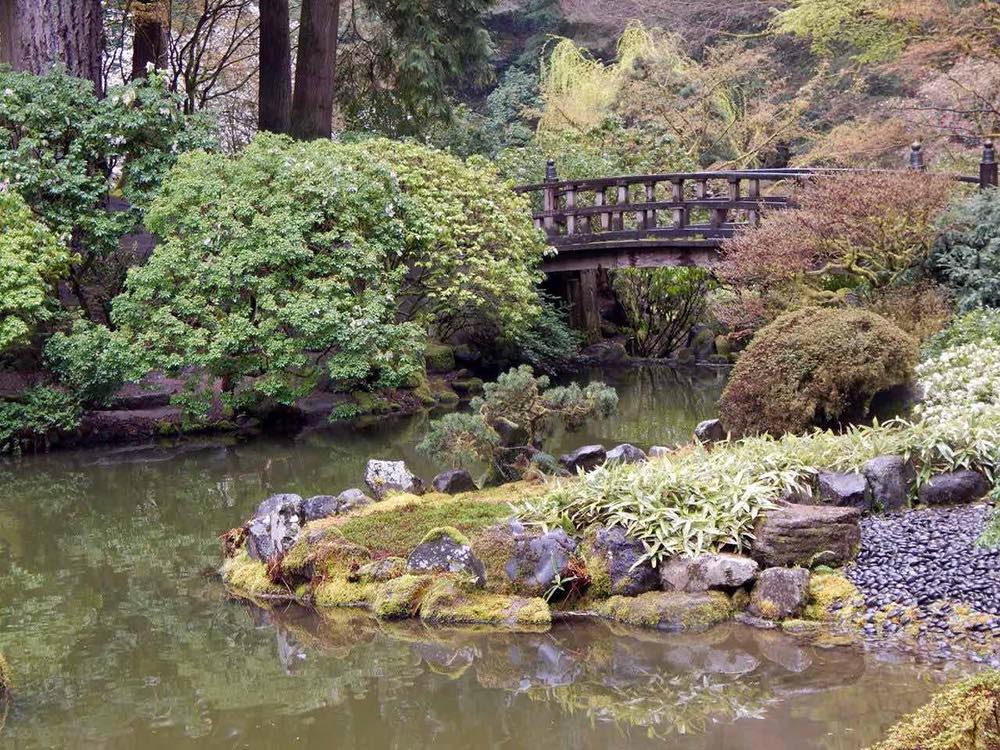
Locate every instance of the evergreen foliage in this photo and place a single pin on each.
(966, 255)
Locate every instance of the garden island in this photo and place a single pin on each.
(439, 373)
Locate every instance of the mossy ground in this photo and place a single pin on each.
(832, 598)
(249, 577)
(966, 716)
(399, 598)
(452, 602)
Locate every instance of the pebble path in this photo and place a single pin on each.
(921, 571)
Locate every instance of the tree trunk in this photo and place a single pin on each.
(315, 66)
(43, 33)
(275, 77)
(149, 39)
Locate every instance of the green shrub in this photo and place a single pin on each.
(977, 326)
(661, 305)
(294, 257)
(65, 151)
(966, 255)
(93, 362)
(965, 716)
(36, 418)
(815, 367)
(547, 345)
(31, 261)
(460, 440)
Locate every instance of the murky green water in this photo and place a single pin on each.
(118, 638)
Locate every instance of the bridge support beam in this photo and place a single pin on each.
(585, 313)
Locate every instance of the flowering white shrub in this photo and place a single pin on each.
(962, 382)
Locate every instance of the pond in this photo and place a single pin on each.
(120, 637)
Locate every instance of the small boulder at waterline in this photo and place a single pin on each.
(587, 458)
(708, 571)
(454, 481)
(626, 453)
(672, 611)
(385, 477)
(964, 486)
(843, 489)
(275, 526)
(446, 550)
(780, 593)
(710, 431)
(613, 563)
(523, 560)
(889, 480)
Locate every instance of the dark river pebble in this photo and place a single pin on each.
(930, 560)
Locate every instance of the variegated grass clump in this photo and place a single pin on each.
(701, 499)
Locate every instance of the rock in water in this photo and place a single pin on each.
(626, 453)
(963, 486)
(324, 506)
(807, 535)
(780, 593)
(454, 482)
(844, 490)
(275, 527)
(446, 550)
(709, 571)
(889, 479)
(615, 554)
(384, 477)
(710, 431)
(587, 458)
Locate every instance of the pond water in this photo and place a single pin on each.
(120, 637)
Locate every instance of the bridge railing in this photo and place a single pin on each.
(686, 207)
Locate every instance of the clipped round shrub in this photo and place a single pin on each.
(815, 367)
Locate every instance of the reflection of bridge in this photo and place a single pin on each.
(679, 219)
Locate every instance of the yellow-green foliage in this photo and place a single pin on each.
(867, 28)
(669, 610)
(5, 682)
(597, 568)
(449, 601)
(399, 598)
(249, 577)
(827, 589)
(966, 716)
(579, 90)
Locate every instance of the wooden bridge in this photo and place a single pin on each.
(678, 219)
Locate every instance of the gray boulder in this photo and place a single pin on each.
(511, 434)
(709, 571)
(613, 551)
(964, 486)
(445, 550)
(383, 477)
(587, 458)
(275, 527)
(324, 506)
(889, 480)
(538, 559)
(626, 453)
(710, 431)
(660, 451)
(780, 593)
(454, 481)
(843, 490)
(807, 535)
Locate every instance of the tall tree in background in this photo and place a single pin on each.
(37, 34)
(315, 68)
(275, 75)
(149, 41)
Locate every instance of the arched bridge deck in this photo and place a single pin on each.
(672, 219)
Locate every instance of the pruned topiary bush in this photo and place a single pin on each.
(815, 367)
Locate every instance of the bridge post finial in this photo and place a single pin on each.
(988, 166)
(550, 171)
(917, 156)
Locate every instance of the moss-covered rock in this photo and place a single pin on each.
(966, 716)
(468, 386)
(832, 597)
(672, 611)
(372, 403)
(339, 592)
(452, 602)
(322, 551)
(249, 577)
(439, 358)
(399, 598)
(382, 570)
